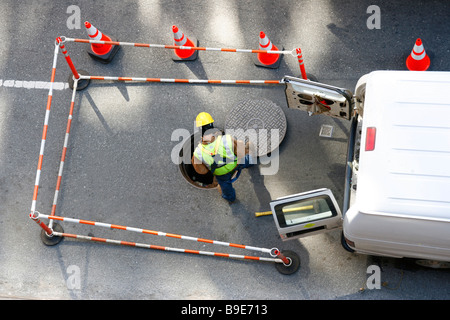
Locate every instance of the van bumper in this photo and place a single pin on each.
(396, 237)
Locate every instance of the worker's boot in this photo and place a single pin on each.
(219, 189)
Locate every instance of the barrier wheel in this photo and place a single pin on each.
(292, 267)
(82, 84)
(53, 240)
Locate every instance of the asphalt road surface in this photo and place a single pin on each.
(119, 168)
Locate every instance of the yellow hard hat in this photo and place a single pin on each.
(203, 118)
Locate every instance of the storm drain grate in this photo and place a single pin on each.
(326, 131)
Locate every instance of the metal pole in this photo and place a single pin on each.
(189, 81)
(300, 62)
(42, 148)
(68, 59)
(64, 151)
(281, 256)
(35, 216)
(163, 46)
(157, 233)
(163, 248)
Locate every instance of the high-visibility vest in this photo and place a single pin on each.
(218, 156)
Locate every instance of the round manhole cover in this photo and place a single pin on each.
(261, 122)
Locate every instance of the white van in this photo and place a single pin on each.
(397, 186)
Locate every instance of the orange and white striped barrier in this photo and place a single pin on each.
(150, 232)
(301, 64)
(76, 74)
(180, 40)
(102, 52)
(265, 58)
(418, 60)
(60, 42)
(165, 46)
(164, 248)
(188, 81)
(48, 230)
(64, 152)
(44, 132)
(278, 257)
(286, 262)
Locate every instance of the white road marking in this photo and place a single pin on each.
(33, 84)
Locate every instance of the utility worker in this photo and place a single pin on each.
(220, 154)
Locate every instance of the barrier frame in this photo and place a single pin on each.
(286, 262)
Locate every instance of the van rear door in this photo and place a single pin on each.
(306, 214)
(318, 98)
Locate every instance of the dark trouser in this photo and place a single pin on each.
(226, 183)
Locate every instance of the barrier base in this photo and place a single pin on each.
(105, 58)
(192, 57)
(275, 65)
(82, 83)
(293, 267)
(53, 240)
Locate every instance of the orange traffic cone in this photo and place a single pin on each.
(418, 60)
(101, 52)
(268, 60)
(181, 40)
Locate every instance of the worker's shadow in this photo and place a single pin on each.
(257, 182)
(263, 195)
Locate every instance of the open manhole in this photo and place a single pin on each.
(261, 122)
(202, 181)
